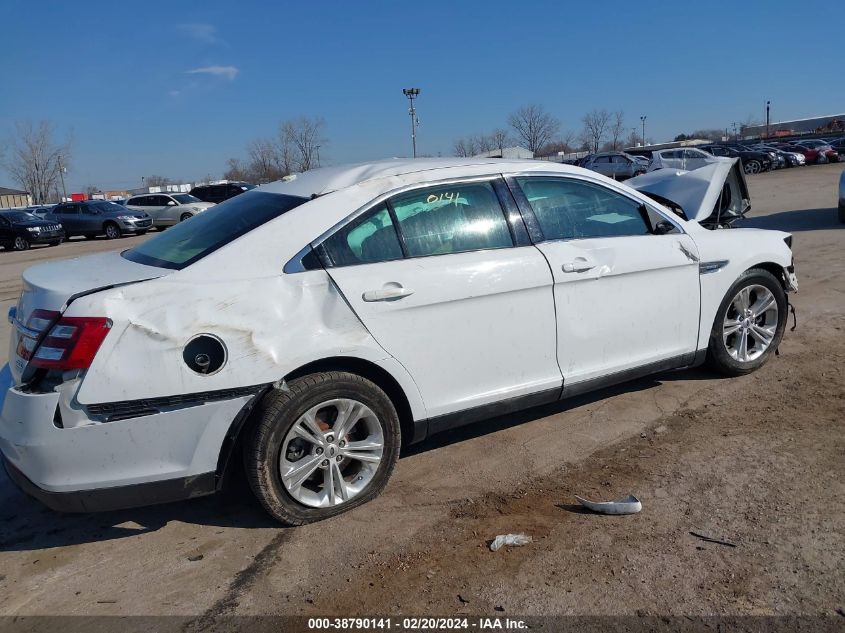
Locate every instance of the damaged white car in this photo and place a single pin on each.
(309, 328)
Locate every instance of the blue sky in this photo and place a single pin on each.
(118, 75)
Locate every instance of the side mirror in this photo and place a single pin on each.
(663, 227)
(170, 203)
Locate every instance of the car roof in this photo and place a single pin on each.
(328, 179)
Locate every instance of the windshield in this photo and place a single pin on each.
(184, 198)
(20, 216)
(187, 242)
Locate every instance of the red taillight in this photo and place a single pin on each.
(71, 343)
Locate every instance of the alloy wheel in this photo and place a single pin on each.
(112, 232)
(21, 244)
(750, 323)
(331, 453)
(752, 167)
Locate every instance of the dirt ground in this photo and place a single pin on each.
(756, 463)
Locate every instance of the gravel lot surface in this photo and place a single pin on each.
(756, 462)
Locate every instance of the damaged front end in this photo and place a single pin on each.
(715, 196)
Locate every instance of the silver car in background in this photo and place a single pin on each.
(167, 209)
(616, 165)
(687, 158)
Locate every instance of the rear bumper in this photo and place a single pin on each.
(92, 465)
(117, 497)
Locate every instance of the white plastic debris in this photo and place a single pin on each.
(628, 505)
(514, 540)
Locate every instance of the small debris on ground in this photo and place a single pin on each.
(195, 557)
(710, 539)
(514, 540)
(462, 599)
(628, 505)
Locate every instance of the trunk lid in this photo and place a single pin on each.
(53, 285)
(715, 193)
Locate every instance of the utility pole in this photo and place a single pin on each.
(768, 103)
(413, 93)
(736, 132)
(62, 176)
(643, 118)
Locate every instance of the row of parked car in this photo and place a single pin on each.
(52, 224)
(755, 158)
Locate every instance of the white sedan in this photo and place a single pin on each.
(308, 329)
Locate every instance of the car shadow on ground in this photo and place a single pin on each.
(26, 525)
(793, 221)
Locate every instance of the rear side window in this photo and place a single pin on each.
(187, 242)
(573, 209)
(451, 219)
(367, 240)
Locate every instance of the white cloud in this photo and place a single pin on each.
(228, 72)
(201, 32)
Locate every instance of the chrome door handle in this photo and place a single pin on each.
(386, 294)
(577, 266)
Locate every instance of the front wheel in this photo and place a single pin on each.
(112, 231)
(325, 445)
(185, 216)
(749, 324)
(752, 167)
(21, 243)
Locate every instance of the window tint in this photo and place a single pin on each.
(135, 202)
(451, 219)
(619, 159)
(369, 239)
(182, 244)
(573, 209)
(602, 159)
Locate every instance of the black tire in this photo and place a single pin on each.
(276, 414)
(20, 243)
(112, 231)
(185, 216)
(718, 357)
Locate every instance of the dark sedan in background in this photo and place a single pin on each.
(753, 162)
(19, 230)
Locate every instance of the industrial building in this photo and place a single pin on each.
(834, 123)
(11, 198)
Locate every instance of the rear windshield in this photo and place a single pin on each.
(190, 241)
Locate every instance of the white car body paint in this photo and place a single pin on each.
(480, 327)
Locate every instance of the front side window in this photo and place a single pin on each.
(367, 240)
(187, 242)
(451, 219)
(572, 209)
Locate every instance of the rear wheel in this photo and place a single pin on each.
(325, 445)
(752, 167)
(21, 243)
(749, 324)
(112, 230)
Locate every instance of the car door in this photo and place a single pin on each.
(90, 219)
(602, 165)
(68, 216)
(625, 296)
(6, 235)
(156, 206)
(673, 158)
(693, 159)
(451, 289)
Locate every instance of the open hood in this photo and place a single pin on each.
(716, 193)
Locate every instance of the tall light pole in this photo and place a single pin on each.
(413, 93)
(643, 118)
(62, 175)
(768, 103)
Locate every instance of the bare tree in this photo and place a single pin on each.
(303, 139)
(35, 159)
(157, 181)
(265, 162)
(563, 143)
(595, 128)
(464, 147)
(90, 190)
(617, 129)
(500, 139)
(236, 170)
(533, 126)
